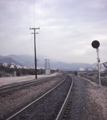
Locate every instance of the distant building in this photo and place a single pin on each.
(102, 67)
(12, 66)
(90, 69)
(18, 67)
(32, 67)
(81, 69)
(13, 63)
(53, 69)
(38, 68)
(95, 67)
(42, 68)
(5, 64)
(24, 67)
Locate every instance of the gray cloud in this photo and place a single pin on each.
(67, 28)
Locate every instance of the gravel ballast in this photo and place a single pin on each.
(18, 99)
(84, 103)
(48, 107)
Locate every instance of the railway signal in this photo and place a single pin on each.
(95, 44)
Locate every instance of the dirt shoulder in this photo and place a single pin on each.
(87, 102)
(10, 80)
(99, 96)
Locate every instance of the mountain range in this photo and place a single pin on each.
(27, 60)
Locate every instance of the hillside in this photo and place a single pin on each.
(9, 61)
(28, 60)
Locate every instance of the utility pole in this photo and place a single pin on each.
(35, 49)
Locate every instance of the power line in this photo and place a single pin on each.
(34, 13)
(29, 22)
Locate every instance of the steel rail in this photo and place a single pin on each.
(9, 118)
(23, 83)
(20, 83)
(61, 112)
(7, 89)
(4, 90)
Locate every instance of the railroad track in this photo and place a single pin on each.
(5, 90)
(50, 105)
(64, 110)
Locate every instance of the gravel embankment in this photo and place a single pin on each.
(95, 79)
(15, 101)
(48, 107)
(84, 104)
(99, 96)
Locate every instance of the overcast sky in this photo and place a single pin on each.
(67, 29)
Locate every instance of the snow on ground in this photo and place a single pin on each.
(9, 80)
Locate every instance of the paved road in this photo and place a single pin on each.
(82, 107)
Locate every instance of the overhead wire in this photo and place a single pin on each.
(34, 11)
(34, 22)
(40, 25)
(41, 12)
(30, 36)
(28, 13)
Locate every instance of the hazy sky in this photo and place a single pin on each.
(67, 28)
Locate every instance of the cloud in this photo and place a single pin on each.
(67, 28)
(78, 52)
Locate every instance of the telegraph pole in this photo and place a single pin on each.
(35, 49)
